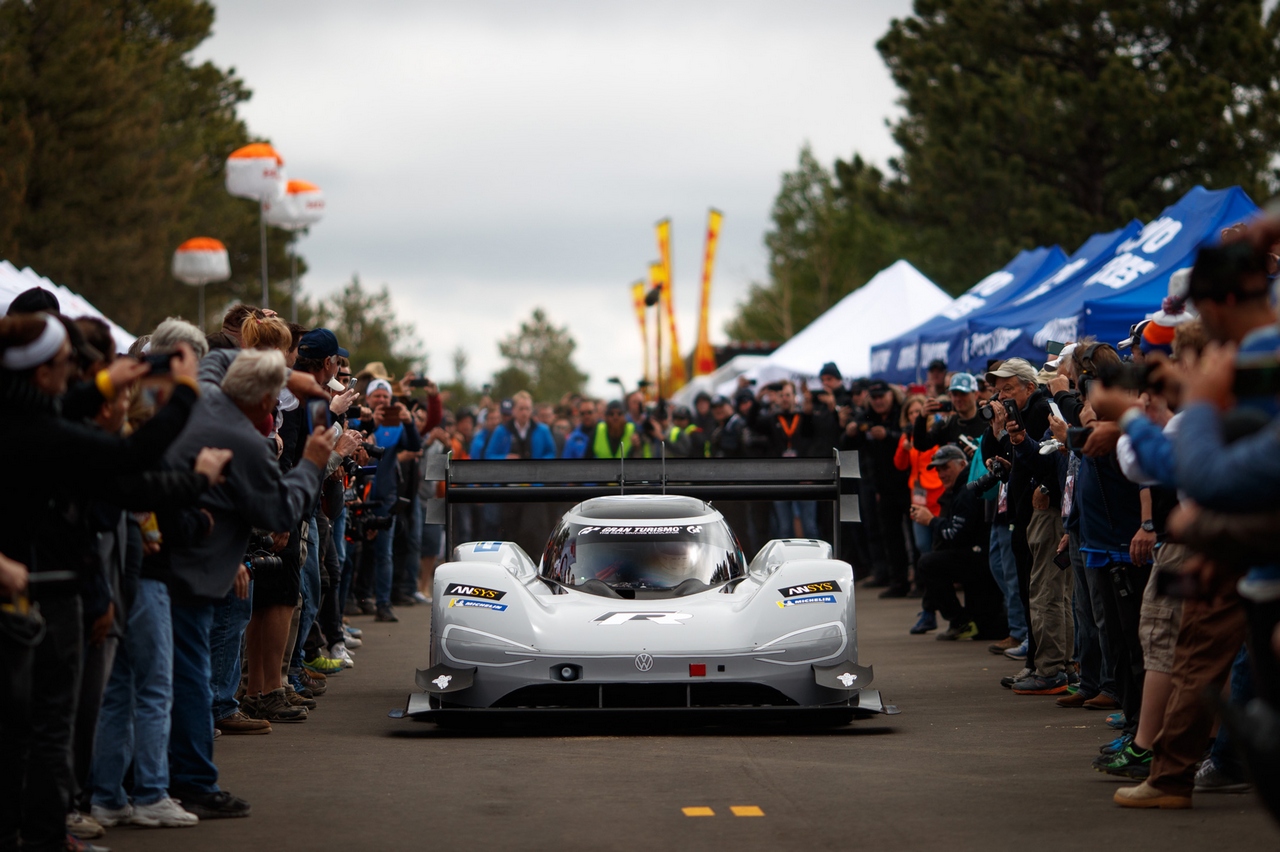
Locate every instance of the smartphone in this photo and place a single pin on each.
(1055, 348)
(1077, 436)
(1063, 558)
(1175, 584)
(946, 406)
(419, 383)
(351, 382)
(160, 364)
(1057, 412)
(1015, 416)
(317, 414)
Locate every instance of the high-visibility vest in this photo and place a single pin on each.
(602, 448)
(706, 445)
(672, 437)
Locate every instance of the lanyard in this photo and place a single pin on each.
(789, 431)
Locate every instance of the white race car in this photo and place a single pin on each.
(645, 602)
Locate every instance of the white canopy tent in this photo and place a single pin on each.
(726, 373)
(896, 300)
(14, 281)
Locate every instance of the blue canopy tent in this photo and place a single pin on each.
(904, 359)
(1048, 311)
(1139, 275)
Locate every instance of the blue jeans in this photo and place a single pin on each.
(923, 536)
(1005, 570)
(409, 566)
(348, 567)
(784, 513)
(230, 617)
(310, 589)
(383, 566)
(133, 724)
(191, 766)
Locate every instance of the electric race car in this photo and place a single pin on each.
(645, 602)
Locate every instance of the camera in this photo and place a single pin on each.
(374, 451)
(996, 473)
(1129, 376)
(945, 406)
(258, 553)
(987, 412)
(419, 383)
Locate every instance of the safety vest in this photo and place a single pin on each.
(672, 437)
(601, 447)
(706, 445)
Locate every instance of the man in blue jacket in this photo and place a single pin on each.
(394, 432)
(522, 437)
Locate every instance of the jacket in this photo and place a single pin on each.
(916, 464)
(254, 494)
(542, 445)
(962, 525)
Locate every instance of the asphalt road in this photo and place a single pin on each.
(966, 766)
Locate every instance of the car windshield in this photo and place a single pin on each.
(652, 556)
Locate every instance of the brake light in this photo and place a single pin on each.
(697, 670)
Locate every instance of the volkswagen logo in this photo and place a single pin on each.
(644, 662)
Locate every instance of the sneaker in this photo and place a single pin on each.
(219, 805)
(275, 707)
(386, 613)
(419, 597)
(1008, 682)
(165, 813)
(75, 844)
(322, 664)
(240, 722)
(1041, 685)
(1209, 779)
(968, 630)
(1017, 653)
(1117, 745)
(352, 632)
(338, 651)
(111, 817)
(1146, 796)
(1102, 701)
(1117, 721)
(83, 826)
(312, 682)
(352, 642)
(1133, 762)
(926, 622)
(1003, 645)
(297, 699)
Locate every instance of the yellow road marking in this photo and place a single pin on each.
(696, 812)
(746, 810)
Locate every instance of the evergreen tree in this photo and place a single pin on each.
(365, 324)
(540, 360)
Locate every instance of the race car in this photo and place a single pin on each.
(645, 602)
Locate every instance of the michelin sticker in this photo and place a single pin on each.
(811, 599)
(467, 602)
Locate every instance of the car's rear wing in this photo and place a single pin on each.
(574, 480)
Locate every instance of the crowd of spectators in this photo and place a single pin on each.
(194, 526)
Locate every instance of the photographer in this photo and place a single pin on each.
(944, 421)
(877, 432)
(790, 434)
(1021, 405)
(615, 436)
(959, 536)
(236, 417)
(656, 430)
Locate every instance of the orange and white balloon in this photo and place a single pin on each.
(256, 171)
(301, 206)
(201, 260)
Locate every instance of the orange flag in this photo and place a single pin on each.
(704, 358)
(664, 252)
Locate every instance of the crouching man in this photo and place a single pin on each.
(960, 536)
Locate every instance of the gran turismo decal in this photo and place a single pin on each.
(610, 619)
(811, 599)
(467, 602)
(474, 592)
(630, 530)
(810, 588)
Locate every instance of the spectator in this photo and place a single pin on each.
(522, 438)
(926, 487)
(615, 437)
(698, 445)
(578, 444)
(789, 432)
(936, 378)
(935, 429)
(877, 432)
(703, 417)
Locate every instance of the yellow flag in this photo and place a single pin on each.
(664, 252)
(704, 358)
(637, 300)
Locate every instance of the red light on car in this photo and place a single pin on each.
(697, 670)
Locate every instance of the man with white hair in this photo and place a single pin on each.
(236, 416)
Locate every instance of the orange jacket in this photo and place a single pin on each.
(909, 458)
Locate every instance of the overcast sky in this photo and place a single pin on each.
(484, 158)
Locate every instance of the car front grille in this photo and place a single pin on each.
(611, 696)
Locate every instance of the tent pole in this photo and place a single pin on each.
(293, 285)
(202, 328)
(262, 231)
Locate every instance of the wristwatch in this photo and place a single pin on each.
(1148, 526)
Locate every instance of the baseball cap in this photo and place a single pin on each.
(320, 343)
(506, 407)
(1065, 354)
(963, 383)
(947, 453)
(830, 369)
(937, 364)
(878, 388)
